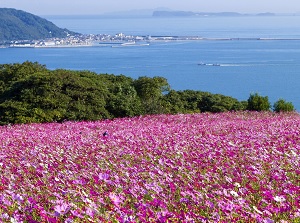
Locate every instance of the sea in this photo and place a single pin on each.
(263, 55)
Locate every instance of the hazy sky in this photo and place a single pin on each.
(64, 7)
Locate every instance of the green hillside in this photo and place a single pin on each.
(20, 25)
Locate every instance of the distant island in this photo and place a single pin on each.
(204, 14)
(19, 25)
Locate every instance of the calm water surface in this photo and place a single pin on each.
(246, 66)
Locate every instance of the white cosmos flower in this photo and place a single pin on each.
(237, 184)
(233, 193)
(279, 199)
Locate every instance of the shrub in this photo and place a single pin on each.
(258, 103)
(283, 106)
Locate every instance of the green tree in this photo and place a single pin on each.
(283, 106)
(191, 100)
(173, 102)
(123, 101)
(218, 103)
(87, 95)
(9, 73)
(47, 96)
(14, 112)
(151, 91)
(258, 103)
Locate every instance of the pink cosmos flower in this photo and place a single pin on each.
(77, 213)
(115, 199)
(103, 176)
(17, 197)
(61, 208)
(297, 213)
(90, 212)
(268, 220)
(150, 159)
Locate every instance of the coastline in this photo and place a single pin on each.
(145, 43)
(141, 42)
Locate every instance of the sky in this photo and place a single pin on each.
(96, 7)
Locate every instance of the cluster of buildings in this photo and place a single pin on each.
(95, 39)
(79, 40)
(106, 39)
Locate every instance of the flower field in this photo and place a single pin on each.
(226, 167)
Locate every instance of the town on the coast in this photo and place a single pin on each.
(97, 40)
(117, 40)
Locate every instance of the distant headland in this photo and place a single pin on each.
(16, 25)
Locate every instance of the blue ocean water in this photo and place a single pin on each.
(268, 67)
(249, 26)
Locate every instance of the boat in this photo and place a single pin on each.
(209, 64)
(128, 43)
(202, 64)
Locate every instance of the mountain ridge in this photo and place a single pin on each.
(20, 25)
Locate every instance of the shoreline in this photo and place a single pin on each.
(147, 42)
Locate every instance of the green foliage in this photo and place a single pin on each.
(20, 25)
(34, 94)
(258, 103)
(189, 101)
(29, 92)
(123, 101)
(15, 72)
(218, 103)
(151, 92)
(296, 220)
(174, 103)
(14, 112)
(282, 106)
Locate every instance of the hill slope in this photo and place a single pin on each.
(20, 25)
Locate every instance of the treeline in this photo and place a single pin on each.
(29, 92)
